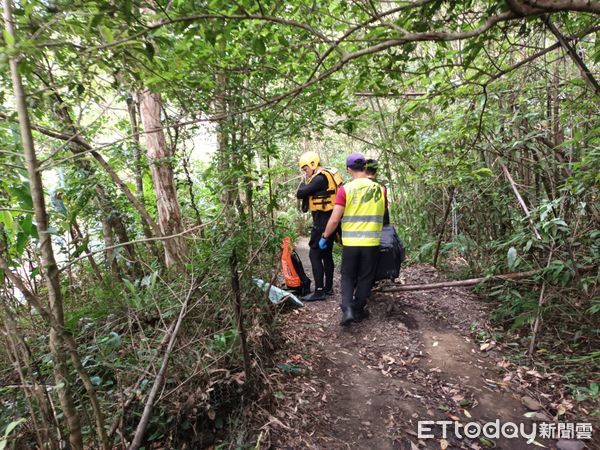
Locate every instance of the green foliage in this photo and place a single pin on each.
(7, 432)
(584, 393)
(441, 116)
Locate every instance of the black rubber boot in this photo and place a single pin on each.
(316, 296)
(347, 317)
(361, 314)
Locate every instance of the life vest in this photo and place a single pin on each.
(324, 200)
(363, 213)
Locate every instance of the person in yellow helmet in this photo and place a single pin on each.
(360, 206)
(318, 189)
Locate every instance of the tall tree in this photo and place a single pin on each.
(161, 167)
(49, 269)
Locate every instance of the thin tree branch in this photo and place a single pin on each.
(138, 241)
(141, 428)
(585, 71)
(521, 201)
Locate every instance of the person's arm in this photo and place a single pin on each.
(334, 221)
(318, 183)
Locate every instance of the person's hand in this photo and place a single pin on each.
(322, 243)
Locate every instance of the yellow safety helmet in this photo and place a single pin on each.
(310, 159)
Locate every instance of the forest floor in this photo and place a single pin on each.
(419, 357)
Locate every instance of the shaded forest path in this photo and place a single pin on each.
(366, 386)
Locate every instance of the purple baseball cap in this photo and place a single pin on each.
(356, 161)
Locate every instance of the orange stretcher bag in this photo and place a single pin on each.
(293, 270)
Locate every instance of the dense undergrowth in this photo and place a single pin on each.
(122, 329)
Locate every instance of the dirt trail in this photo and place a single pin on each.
(366, 386)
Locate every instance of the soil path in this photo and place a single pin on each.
(367, 386)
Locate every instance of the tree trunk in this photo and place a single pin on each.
(169, 214)
(49, 267)
(139, 171)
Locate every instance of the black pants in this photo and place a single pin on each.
(321, 260)
(359, 265)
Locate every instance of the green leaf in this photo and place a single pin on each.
(96, 19)
(7, 219)
(9, 39)
(21, 192)
(22, 240)
(126, 9)
(483, 172)
(283, 41)
(11, 426)
(259, 46)
(290, 368)
(107, 34)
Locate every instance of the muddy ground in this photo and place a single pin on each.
(418, 357)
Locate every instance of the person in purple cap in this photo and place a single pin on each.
(360, 206)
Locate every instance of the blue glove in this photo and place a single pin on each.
(322, 243)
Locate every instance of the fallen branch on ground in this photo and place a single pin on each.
(471, 281)
(459, 283)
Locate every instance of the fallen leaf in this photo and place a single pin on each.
(531, 403)
(455, 418)
(443, 444)
(504, 364)
(467, 413)
(535, 373)
(388, 359)
(435, 344)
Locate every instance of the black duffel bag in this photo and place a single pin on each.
(391, 255)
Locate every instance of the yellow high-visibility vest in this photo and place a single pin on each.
(363, 215)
